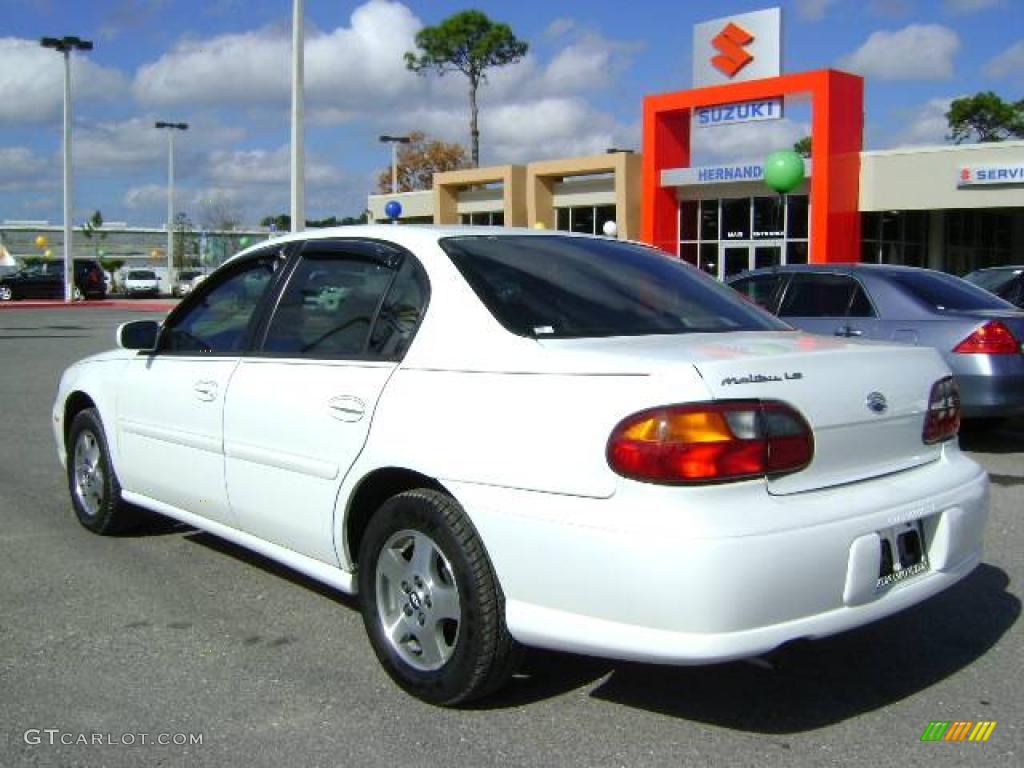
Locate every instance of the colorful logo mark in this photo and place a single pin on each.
(958, 730)
(729, 44)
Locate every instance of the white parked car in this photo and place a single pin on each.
(503, 437)
(142, 282)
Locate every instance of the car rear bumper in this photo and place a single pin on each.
(645, 585)
(988, 396)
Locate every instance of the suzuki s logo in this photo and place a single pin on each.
(877, 403)
(729, 43)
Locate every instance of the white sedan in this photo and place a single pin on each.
(502, 438)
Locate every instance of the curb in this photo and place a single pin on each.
(142, 306)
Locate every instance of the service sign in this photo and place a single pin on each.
(743, 112)
(990, 175)
(747, 46)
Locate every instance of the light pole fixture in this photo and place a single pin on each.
(394, 141)
(171, 128)
(298, 200)
(617, 150)
(66, 45)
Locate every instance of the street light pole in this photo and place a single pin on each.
(298, 150)
(65, 45)
(172, 127)
(394, 141)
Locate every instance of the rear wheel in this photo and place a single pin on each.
(431, 604)
(6, 294)
(95, 491)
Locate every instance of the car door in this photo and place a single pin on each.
(170, 403)
(298, 413)
(830, 304)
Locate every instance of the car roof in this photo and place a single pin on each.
(848, 268)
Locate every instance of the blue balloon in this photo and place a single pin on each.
(393, 209)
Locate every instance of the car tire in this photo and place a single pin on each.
(76, 294)
(95, 490)
(424, 573)
(6, 294)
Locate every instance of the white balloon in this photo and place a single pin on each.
(610, 229)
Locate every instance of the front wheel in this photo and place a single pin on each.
(431, 604)
(95, 490)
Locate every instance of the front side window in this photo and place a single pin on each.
(560, 287)
(218, 320)
(329, 306)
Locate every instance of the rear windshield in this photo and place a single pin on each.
(992, 279)
(945, 292)
(141, 275)
(564, 287)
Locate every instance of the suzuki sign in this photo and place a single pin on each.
(747, 46)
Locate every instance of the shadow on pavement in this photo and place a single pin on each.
(816, 684)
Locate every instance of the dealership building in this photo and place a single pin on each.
(949, 207)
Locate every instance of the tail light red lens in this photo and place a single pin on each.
(993, 338)
(713, 442)
(942, 422)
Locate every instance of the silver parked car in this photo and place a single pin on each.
(978, 334)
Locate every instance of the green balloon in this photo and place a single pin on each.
(102, 253)
(243, 241)
(783, 170)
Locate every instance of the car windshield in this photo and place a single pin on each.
(945, 292)
(563, 287)
(142, 275)
(992, 279)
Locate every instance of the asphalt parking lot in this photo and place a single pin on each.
(171, 631)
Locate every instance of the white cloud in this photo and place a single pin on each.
(916, 52)
(261, 166)
(970, 6)
(1010, 63)
(746, 142)
(926, 124)
(559, 27)
(343, 69)
(32, 81)
(21, 168)
(146, 196)
(813, 10)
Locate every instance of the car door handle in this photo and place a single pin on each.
(346, 408)
(205, 390)
(847, 331)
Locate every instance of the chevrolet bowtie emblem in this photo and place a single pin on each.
(729, 44)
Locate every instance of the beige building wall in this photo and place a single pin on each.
(546, 181)
(925, 178)
(415, 205)
(451, 185)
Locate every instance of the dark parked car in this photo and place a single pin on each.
(1005, 282)
(978, 334)
(45, 280)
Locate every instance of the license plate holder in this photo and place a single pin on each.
(902, 554)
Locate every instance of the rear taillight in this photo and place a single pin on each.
(711, 442)
(942, 422)
(993, 338)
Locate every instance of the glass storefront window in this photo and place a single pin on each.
(708, 219)
(709, 258)
(736, 219)
(603, 214)
(796, 253)
(796, 217)
(769, 214)
(562, 219)
(583, 220)
(688, 220)
(688, 252)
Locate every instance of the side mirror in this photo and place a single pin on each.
(138, 334)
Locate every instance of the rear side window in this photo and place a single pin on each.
(940, 291)
(825, 295)
(545, 286)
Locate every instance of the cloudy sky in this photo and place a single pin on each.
(224, 67)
